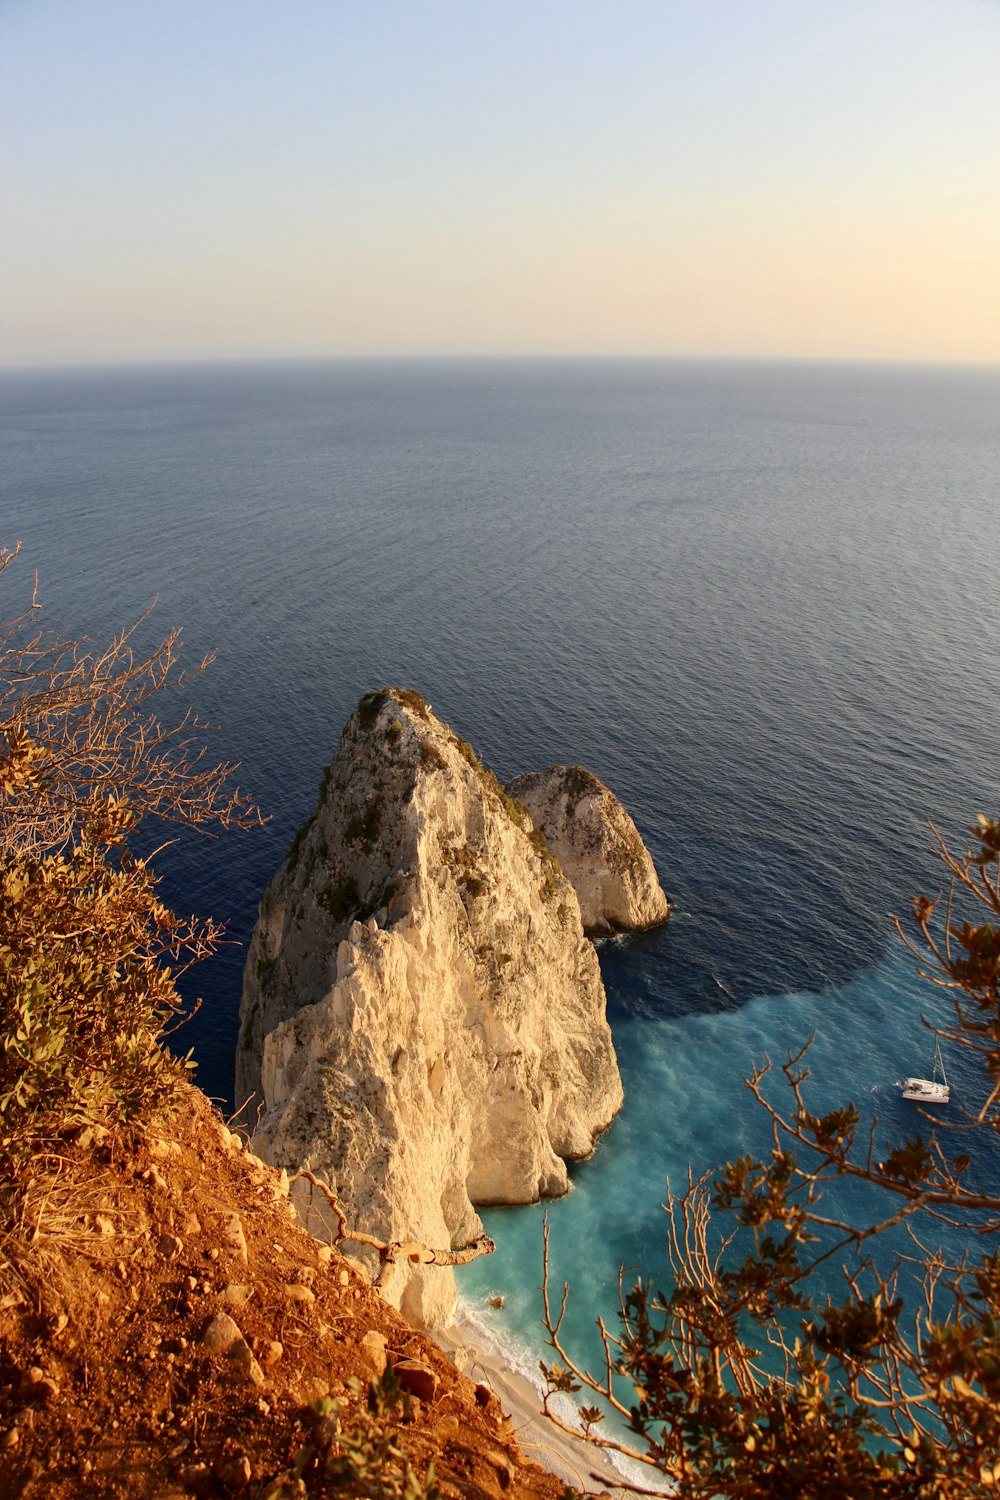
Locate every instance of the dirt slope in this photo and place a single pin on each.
(107, 1386)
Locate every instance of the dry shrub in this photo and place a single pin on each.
(88, 953)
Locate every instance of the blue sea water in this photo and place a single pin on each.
(759, 600)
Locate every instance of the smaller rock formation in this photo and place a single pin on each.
(598, 846)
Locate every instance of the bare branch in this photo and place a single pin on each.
(392, 1251)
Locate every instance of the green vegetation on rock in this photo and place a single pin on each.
(341, 899)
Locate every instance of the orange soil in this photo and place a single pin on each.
(126, 1252)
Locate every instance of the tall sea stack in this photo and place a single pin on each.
(423, 1019)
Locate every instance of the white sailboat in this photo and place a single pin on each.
(929, 1090)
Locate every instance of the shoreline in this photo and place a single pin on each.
(473, 1351)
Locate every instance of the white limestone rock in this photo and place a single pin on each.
(423, 1019)
(598, 846)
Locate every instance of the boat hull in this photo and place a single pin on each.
(924, 1091)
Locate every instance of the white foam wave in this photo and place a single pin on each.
(482, 1345)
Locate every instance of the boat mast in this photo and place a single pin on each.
(937, 1061)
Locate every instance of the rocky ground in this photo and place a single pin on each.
(167, 1329)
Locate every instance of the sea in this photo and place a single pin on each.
(760, 600)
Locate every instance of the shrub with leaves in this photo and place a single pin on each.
(88, 953)
(353, 1449)
(749, 1376)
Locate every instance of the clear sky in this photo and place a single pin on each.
(220, 178)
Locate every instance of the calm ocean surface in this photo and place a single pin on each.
(761, 601)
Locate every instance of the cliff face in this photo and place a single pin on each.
(423, 1018)
(598, 846)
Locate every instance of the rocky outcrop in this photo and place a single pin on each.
(598, 846)
(423, 1020)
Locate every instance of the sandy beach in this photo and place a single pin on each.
(574, 1462)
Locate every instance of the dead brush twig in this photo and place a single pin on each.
(55, 1226)
(14, 1288)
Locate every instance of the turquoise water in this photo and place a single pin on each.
(686, 1105)
(759, 600)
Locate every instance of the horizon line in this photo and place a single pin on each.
(178, 361)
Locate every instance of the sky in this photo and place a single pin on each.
(281, 178)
